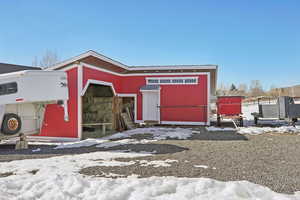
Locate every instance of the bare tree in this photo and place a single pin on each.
(49, 59)
(243, 89)
(222, 90)
(256, 89)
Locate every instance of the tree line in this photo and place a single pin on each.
(255, 89)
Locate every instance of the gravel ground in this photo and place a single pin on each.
(270, 160)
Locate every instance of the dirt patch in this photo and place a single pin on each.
(34, 171)
(6, 174)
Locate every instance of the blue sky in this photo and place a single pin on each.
(249, 40)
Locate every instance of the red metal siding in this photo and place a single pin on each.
(229, 105)
(54, 124)
(184, 103)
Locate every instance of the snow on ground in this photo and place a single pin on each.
(82, 143)
(201, 166)
(157, 163)
(252, 130)
(58, 178)
(158, 133)
(260, 130)
(214, 129)
(108, 144)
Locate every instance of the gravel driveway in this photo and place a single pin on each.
(269, 160)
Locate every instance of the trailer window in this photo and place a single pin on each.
(8, 88)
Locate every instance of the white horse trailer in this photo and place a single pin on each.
(24, 96)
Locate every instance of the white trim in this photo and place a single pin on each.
(67, 68)
(79, 100)
(109, 60)
(208, 100)
(93, 81)
(171, 80)
(183, 123)
(172, 67)
(52, 139)
(158, 108)
(135, 103)
(159, 94)
(156, 90)
(86, 54)
(144, 74)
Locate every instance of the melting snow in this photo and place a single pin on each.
(214, 129)
(201, 166)
(58, 178)
(260, 130)
(158, 133)
(157, 163)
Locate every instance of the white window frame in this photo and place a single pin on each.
(171, 80)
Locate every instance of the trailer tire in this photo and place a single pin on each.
(11, 124)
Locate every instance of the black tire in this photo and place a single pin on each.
(11, 124)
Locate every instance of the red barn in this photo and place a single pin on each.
(178, 94)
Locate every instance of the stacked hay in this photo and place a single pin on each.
(97, 106)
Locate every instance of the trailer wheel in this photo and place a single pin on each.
(11, 124)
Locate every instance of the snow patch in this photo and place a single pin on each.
(157, 163)
(108, 144)
(201, 166)
(158, 133)
(36, 150)
(82, 143)
(215, 129)
(261, 130)
(155, 188)
(58, 178)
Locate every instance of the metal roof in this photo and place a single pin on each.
(8, 68)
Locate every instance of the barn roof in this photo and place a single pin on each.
(94, 54)
(98, 60)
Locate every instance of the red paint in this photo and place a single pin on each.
(183, 102)
(54, 124)
(187, 103)
(229, 105)
(180, 103)
(19, 99)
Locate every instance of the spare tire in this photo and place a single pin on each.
(11, 124)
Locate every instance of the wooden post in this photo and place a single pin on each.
(116, 109)
(22, 143)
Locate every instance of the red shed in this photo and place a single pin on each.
(177, 94)
(229, 105)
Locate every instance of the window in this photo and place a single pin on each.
(8, 88)
(153, 81)
(178, 81)
(164, 81)
(172, 80)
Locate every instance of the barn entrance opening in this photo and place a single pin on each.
(97, 111)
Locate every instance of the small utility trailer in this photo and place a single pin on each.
(24, 96)
(230, 107)
(284, 109)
